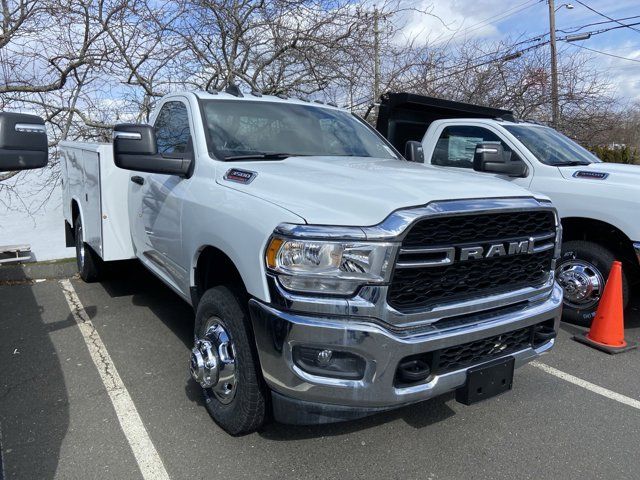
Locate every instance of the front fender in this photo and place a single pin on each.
(239, 225)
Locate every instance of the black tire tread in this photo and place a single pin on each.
(247, 412)
(93, 264)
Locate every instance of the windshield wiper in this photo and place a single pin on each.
(573, 163)
(262, 156)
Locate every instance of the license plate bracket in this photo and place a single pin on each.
(486, 381)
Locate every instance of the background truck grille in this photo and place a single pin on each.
(421, 287)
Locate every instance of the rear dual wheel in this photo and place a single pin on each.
(90, 265)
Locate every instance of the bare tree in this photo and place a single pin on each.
(88, 64)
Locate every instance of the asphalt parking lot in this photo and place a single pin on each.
(58, 419)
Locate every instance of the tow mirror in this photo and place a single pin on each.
(135, 148)
(490, 157)
(23, 142)
(414, 152)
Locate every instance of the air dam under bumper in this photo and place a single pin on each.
(304, 398)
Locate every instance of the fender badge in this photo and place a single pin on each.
(240, 176)
(591, 175)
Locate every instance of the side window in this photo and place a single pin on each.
(457, 145)
(172, 129)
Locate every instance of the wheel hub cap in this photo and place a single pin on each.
(213, 361)
(582, 283)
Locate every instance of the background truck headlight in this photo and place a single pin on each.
(328, 267)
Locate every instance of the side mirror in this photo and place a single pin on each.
(414, 152)
(490, 157)
(135, 148)
(23, 142)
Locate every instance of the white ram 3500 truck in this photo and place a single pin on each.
(331, 278)
(598, 202)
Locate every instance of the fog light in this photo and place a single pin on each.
(324, 358)
(329, 363)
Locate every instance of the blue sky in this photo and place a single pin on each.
(499, 19)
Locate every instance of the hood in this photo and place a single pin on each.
(358, 191)
(609, 173)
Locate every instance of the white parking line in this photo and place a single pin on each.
(143, 449)
(631, 402)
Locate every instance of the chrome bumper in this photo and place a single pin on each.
(277, 332)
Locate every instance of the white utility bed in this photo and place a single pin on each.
(91, 179)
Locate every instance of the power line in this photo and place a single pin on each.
(501, 53)
(509, 56)
(580, 27)
(514, 54)
(524, 50)
(606, 53)
(606, 16)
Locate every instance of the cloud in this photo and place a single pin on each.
(623, 74)
(453, 21)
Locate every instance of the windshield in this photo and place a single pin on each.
(551, 147)
(245, 130)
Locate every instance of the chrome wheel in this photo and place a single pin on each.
(582, 283)
(213, 361)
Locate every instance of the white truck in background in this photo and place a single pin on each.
(330, 277)
(599, 203)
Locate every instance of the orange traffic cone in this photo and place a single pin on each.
(607, 329)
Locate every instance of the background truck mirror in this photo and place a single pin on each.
(491, 157)
(135, 148)
(23, 142)
(414, 152)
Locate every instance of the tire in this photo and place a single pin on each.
(90, 265)
(585, 260)
(246, 410)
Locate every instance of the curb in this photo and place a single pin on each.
(21, 272)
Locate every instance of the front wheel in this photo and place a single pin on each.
(582, 272)
(225, 364)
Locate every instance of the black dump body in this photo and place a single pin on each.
(406, 116)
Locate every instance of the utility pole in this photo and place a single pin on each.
(555, 112)
(376, 56)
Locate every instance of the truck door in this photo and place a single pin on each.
(156, 200)
(456, 144)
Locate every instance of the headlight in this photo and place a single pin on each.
(329, 267)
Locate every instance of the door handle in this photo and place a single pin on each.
(137, 179)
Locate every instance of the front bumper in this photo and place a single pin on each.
(277, 332)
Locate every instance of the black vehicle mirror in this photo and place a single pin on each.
(414, 152)
(490, 157)
(23, 142)
(135, 148)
